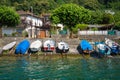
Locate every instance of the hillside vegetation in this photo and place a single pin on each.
(43, 6)
(97, 8)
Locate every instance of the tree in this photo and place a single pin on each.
(117, 20)
(92, 4)
(70, 15)
(102, 17)
(117, 16)
(117, 26)
(96, 17)
(40, 6)
(8, 17)
(115, 5)
(107, 18)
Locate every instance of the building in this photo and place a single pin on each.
(37, 27)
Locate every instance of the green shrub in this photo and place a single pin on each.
(14, 34)
(82, 26)
(5, 35)
(53, 31)
(79, 26)
(94, 29)
(24, 33)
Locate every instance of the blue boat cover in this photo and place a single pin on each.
(115, 49)
(85, 45)
(22, 47)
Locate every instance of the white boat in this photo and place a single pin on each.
(49, 45)
(63, 46)
(103, 49)
(109, 42)
(36, 45)
(101, 46)
(113, 45)
(9, 46)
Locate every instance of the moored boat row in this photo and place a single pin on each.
(25, 46)
(107, 47)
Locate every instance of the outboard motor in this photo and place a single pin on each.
(48, 45)
(63, 48)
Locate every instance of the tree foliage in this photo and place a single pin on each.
(101, 17)
(70, 15)
(116, 16)
(96, 17)
(117, 20)
(92, 4)
(8, 16)
(47, 5)
(43, 6)
(107, 18)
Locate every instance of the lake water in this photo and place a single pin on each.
(75, 68)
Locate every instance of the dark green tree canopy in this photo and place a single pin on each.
(70, 15)
(8, 16)
(46, 5)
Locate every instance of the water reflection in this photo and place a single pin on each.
(29, 68)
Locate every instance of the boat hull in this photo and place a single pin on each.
(35, 46)
(22, 47)
(9, 46)
(103, 49)
(63, 47)
(49, 45)
(113, 45)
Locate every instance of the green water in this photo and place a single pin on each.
(24, 68)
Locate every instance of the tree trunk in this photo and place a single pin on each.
(0, 32)
(71, 34)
